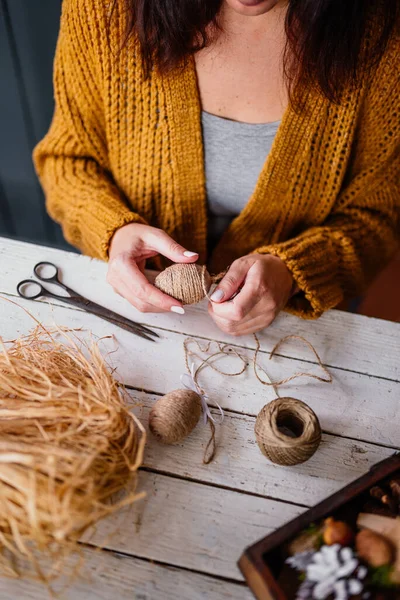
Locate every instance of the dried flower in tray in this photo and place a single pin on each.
(332, 572)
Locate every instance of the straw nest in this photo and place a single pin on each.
(68, 444)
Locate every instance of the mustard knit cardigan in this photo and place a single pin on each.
(124, 149)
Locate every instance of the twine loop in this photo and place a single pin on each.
(279, 445)
(189, 382)
(190, 283)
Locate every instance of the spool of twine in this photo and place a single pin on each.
(188, 283)
(286, 436)
(287, 431)
(175, 415)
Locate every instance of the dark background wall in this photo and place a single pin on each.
(28, 35)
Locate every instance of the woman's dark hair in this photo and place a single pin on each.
(329, 42)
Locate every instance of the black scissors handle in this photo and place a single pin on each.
(52, 278)
(38, 290)
(76, 300)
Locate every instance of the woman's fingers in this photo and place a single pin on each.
(253, 308)
(125, 276)
(162, 243)
(253, 291)
(130, 246)
(143, 307)
(143, 241)
(238, 309)
(231, 281)
(250, 325)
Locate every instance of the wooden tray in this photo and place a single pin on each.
(262, 562)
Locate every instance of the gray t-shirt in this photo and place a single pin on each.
(234, 155)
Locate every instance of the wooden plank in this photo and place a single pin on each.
(191, 525)
(108, 575)
(354, 405)
(239, 464)
(344, 340)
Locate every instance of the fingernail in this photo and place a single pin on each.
(190, 254)
(178, 309)
(217, 295)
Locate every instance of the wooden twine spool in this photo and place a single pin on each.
(287, 431)
(188, 283)
(175, 415)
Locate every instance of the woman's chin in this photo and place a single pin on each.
(251, 8)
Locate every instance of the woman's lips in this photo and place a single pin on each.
(251, 2)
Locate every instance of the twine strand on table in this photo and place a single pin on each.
(223, 350)
(226, 349)
(257, 367)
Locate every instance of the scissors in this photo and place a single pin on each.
(30, 289)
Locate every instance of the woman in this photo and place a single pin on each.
(259, 135)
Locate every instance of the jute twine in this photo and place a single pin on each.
(295, 411)
(223, 350)
(287, 431)
(188, 283)
(174, 416)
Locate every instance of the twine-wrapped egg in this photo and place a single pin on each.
(175, 415)
(287, 431)
(188, 283)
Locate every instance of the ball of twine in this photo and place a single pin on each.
(175, 415)
(188, 283)
(287, 431)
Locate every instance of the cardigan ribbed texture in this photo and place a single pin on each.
(124, 149)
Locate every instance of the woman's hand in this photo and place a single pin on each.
(130, 246)
(264, 286)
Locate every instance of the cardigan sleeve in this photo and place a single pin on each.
(72, 160)
(338, 259)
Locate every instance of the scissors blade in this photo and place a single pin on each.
(111, 316)
(131, 328)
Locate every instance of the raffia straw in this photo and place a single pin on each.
(226, 349)
(68, 445)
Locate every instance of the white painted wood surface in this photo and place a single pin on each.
(192, 525)
(197, 519)
(113, 576)
(349, 341)
(240, 465)
(354, 405)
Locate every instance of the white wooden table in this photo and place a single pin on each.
(183, 541)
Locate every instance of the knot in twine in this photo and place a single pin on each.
(287, 431)
(191, 379)
(190, 383)
(188, 283)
